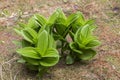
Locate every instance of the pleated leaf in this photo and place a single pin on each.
(29, 52)
(50, 58)
(42, 44)
(87, 54)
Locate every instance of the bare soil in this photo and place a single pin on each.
(105, 65)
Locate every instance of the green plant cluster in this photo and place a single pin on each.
(43, 37)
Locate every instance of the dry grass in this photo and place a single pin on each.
(105, 66)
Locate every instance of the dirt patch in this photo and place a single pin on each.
(105, 66)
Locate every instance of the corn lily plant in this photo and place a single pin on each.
(42, 37)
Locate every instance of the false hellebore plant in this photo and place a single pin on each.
(42, 37)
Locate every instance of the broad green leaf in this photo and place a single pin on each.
(72, 18)
(50, 58)
(32, 23)
(30, 35)
(29, 52)
(87, 54)
(85, 31)
(18, 31)
(60, 28)
(87, 40)
(51, 52)
(75, 18)
(41, 20)
(93, 43)
(77, 36)
(61, 14)
(75, 47)
(81, 19)
(53, 18)
(69, 59)
(81, 46)
(49, 61)
(78, 23)
(83, 35)
(27, 36)
(49, 28)
(32, 32)
(51, 41)
(32, 61)
(91, 23)
(42, 42)
(60, 23)
(75, 27)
